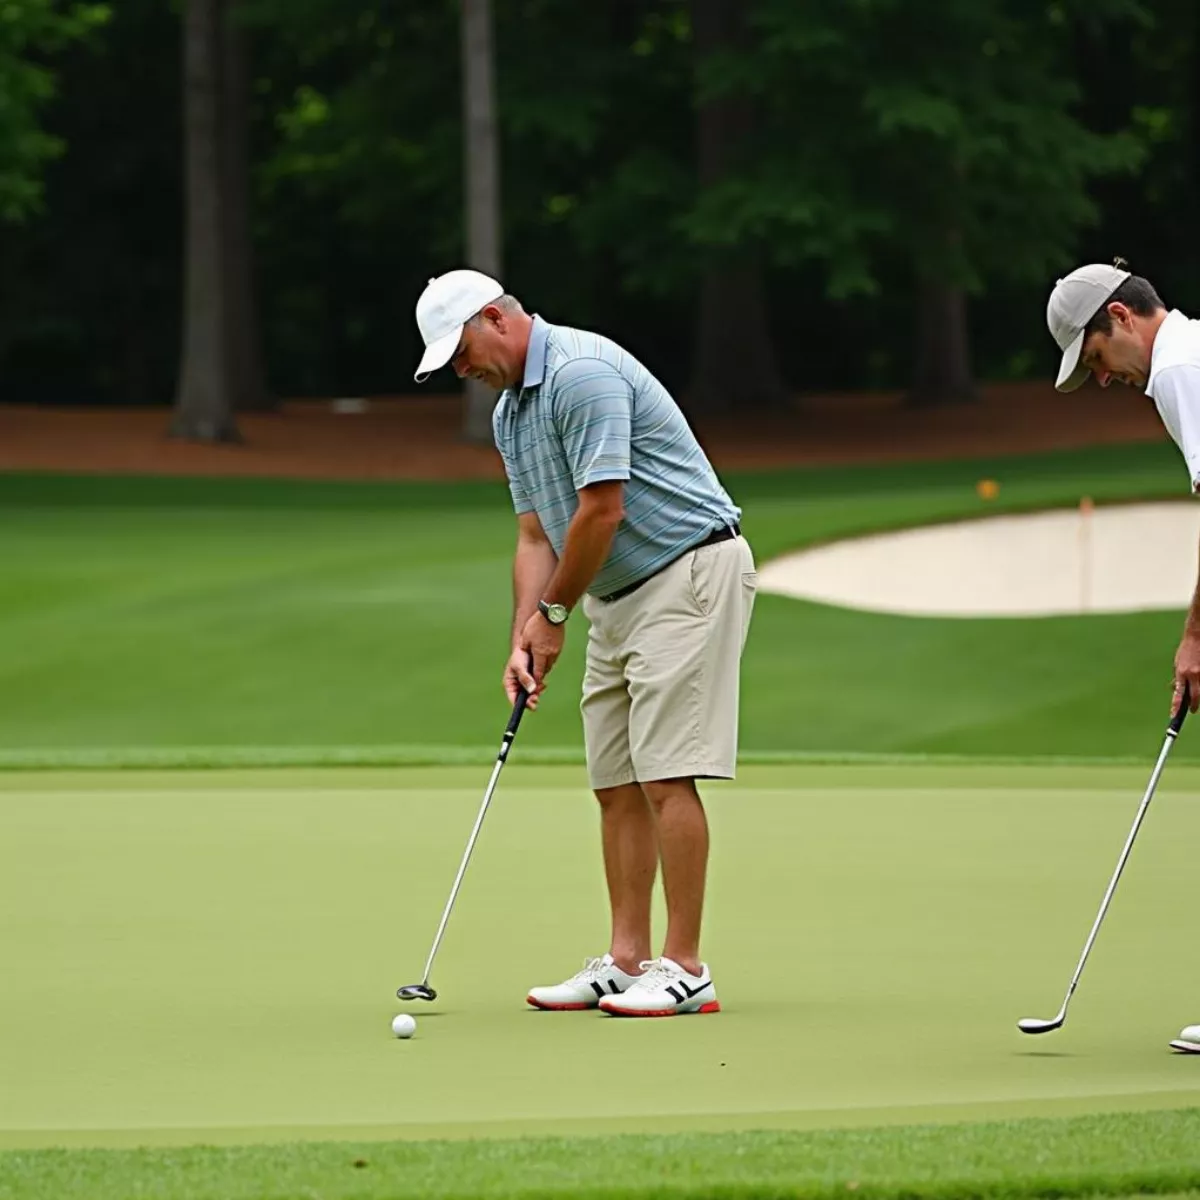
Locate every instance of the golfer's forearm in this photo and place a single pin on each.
(533, 565)
(589, 539)
(1191, 626)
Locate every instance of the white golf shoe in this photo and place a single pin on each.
(1188, 1042)
(664, 990)
(599, 977)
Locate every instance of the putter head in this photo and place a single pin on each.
(416, 991)
(1034, 1025)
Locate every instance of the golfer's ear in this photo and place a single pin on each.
(1120, 313)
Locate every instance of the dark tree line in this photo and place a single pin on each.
(229, 201)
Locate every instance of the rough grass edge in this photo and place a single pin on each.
(1055, 1184)
(133, 758)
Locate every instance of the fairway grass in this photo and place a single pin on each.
(225, 623)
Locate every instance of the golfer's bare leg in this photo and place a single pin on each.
(683, 846)
(630, 864)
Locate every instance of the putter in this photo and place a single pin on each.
(422, 990)
(1037, 1025)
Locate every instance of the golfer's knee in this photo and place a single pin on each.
(616, 799)
(662, 792)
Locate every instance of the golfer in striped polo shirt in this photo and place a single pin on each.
(620, 514)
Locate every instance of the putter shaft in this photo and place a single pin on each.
(415, 990)
(1033, 1025)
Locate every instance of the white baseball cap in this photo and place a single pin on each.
(448, 302)
(1073, 303)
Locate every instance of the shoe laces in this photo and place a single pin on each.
(593, 969)
(657, 974)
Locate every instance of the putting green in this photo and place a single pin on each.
(213, 956)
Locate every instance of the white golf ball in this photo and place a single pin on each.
(403, 1026)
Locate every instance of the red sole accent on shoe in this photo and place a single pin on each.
(557, 1007)
(711, 1007)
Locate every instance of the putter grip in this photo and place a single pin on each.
(518, 707)
(1182, 711)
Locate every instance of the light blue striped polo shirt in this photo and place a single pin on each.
(588, 411)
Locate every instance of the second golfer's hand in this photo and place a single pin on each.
(1187, 671)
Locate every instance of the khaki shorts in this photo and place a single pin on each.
(660, 688)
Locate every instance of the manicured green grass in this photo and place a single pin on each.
(206, 956)
(182, 622)
(198, 959)
(1114, 1155)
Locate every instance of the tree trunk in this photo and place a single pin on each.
(205, 401)
(481, 173)
(942, 364)
(734, 365)
(245, 339)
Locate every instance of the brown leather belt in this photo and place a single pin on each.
(723, 533)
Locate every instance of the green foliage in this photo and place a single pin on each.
(1158, 68)
(988, 143)
(943, 131)
(31, 33)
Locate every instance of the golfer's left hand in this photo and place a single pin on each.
(545, 642)
(1187, 670)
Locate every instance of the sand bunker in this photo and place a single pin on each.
(1118, 558)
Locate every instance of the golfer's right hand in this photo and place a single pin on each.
(517, 676)
(1187, 671)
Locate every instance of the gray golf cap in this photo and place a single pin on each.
(1075, 300)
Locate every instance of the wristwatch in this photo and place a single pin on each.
(556, 614)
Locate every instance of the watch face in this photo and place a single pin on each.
(556, 613)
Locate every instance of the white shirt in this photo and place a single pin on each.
(1174, 386)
